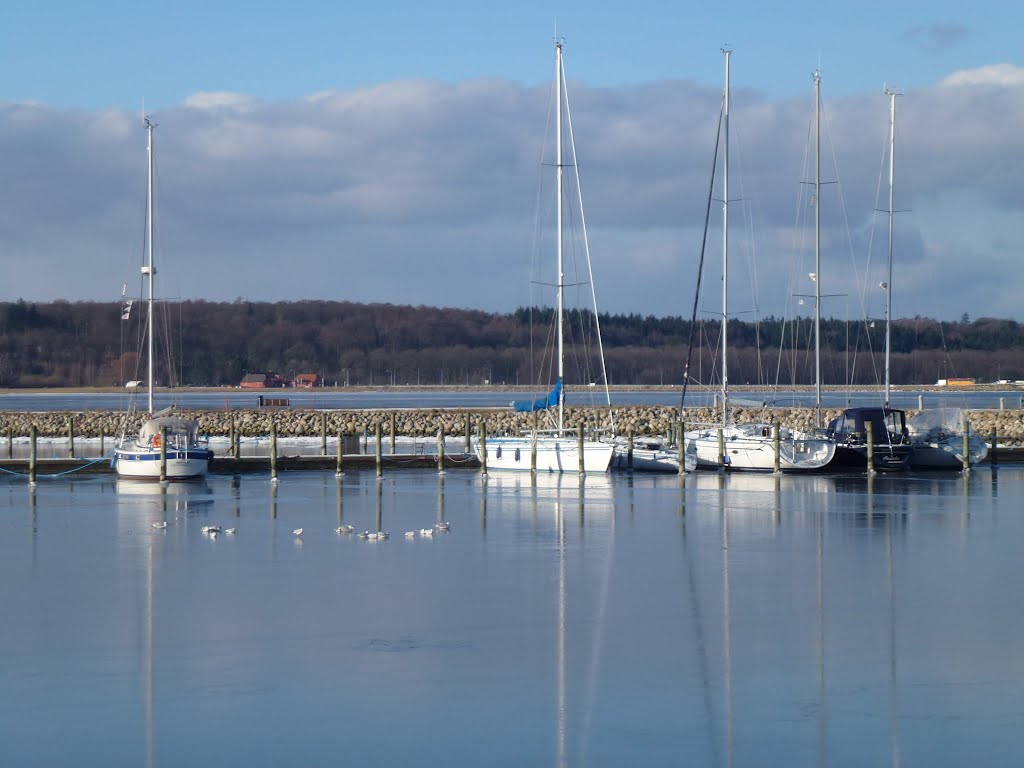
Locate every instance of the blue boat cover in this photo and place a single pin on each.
(528, 406)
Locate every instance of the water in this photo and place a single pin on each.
(490, 398)
(742, 620)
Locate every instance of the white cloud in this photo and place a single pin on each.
(992, 74)
(423, 192)
(220, 100)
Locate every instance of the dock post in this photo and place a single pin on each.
(341, 450)
(378, 451)
(440, 449)
(323, 434)
(273, 451)
(1002, 403)
(469, 446)
(10, 442)
(71, 437)
(32, 455)
(870, 433)
(163, 454)
(579, 448)
(721, 448)
(103, 434)
(231, 434)
(920, 402)
(393, 432)
(992, 451)
(965, 427)
(533, 446)
(483, 448)
(681, 448)
(777, 444)
(629, 449)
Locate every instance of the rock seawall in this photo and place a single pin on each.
(642, 420)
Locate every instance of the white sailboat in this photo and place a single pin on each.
(556, 450)
(750, 446)
(186, 454)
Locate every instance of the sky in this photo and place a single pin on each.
(398, 152)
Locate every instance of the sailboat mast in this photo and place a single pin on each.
(725, 249)
(817, 249)
(558, 224)
(888, 285)
(148, 270)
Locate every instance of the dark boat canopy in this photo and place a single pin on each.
(887, 425)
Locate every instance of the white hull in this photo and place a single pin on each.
(948, 453)
(652, 460)
(752, 447)
(554, 454)
(181, 465)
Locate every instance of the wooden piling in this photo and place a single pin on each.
(163, 453)
(341, 451)
(483, 448)
(273, 451)
(10, 443)
(533, 446)
(379, 450)
(721, 448)
(965, 427)
(323, 434)
(103, 434)
(393, 436)
(993, 459)
(469, 447)
(870, 437)
(32, 432)
(777, 445)
(71, 437)
(629, 449)
(681, 448)
(440, 449)
(579, 449)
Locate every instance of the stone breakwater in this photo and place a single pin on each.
(641, 420)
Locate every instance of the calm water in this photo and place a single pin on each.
(488, 398)
(741, 621)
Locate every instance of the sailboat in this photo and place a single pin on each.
(185, 454)
(890, 442)
(556, 450)
(750, 446)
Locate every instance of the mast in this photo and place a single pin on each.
(888, 284)
(148, 270)
(558, 224)
(817, 249)
(725, 249)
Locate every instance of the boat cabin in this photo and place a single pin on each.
(180, 432)
(888, 426)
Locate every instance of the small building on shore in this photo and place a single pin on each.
(306, 380)
(267, 380)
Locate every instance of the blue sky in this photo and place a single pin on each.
(389, 151)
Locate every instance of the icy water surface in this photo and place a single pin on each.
(739, 621)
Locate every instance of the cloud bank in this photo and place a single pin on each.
(423, 192)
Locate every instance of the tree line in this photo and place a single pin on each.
(200, 343)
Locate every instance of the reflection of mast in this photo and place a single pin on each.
(821, 638)
(894, 703)
(726, 632)
(562, 758)
(149, 654)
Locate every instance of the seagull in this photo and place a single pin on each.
(211, 529)
(297, 532)
(410, 534)
(442, 527)
(381, 535)
(364, 535)
(161, 525)
(426, 531)
(229, 530)
(344, 529)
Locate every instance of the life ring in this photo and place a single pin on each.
(156, 441)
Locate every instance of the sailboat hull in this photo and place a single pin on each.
(181, 465)
(554, 454)
(752, 447)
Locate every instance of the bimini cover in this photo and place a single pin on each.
(541, 403)
(936, 423)
(174, 424)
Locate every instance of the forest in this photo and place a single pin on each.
(200, 343)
